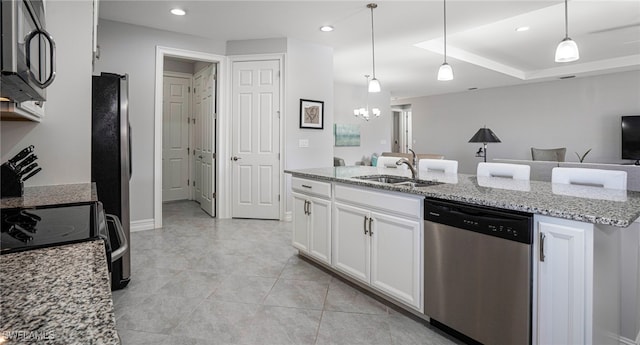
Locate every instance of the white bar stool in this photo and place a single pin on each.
(612, 179)
(514, 171)
(443, 165)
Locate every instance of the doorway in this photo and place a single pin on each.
(205, 125)
(402, 131)
(188, 137)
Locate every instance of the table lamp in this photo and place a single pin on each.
(484, 135)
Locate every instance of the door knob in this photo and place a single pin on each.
(235, 158)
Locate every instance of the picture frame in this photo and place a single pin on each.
(311, 114)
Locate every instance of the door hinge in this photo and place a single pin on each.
(213, 195)
(194, 183)
(188, 88)
(188, 151)
(213, 156)
(188, 182)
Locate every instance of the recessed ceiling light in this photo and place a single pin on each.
(326, 28)
(522, 29)
(178, 11)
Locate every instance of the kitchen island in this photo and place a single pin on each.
(58, 295)
(576, 242)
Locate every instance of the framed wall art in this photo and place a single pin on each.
(311, 114)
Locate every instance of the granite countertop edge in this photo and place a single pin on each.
(53, 195)
(559, 208)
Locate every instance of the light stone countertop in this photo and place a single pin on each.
(57, 296)
(580, 203)
(53, 195)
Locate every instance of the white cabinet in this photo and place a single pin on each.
(312, 219)
(562, 269)
(380, 246)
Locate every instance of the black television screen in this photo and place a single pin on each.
(631, 137)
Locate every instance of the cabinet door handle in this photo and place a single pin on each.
(309, 207)
(542, 236)
(305, 186)
(365, 224)
(306, 207)
(370, 230)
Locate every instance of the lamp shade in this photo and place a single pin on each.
(484, 135)
(445, 72)
(567, 51)
(374, 85)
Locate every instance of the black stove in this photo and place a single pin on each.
(47, 226)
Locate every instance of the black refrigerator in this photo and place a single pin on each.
(111, 158)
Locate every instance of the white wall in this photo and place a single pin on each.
(63, 139)
(131, 49)
(309, 71)
(375, 134)
(171, 65)
(578, 114)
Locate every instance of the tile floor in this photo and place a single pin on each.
(200, 280)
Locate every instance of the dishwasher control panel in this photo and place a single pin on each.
(510, 225)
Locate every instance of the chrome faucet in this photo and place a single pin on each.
(414, 156)
(406, 161)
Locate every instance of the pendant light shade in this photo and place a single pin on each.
(365, 113)
(445, 72)
(374, 84)
(567, 50)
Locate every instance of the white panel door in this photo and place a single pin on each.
(351, 248)
(175, 139)
(205, 81)
(255, 139)
(561, 283)
(396, 261)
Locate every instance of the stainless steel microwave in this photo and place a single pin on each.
(28, 51)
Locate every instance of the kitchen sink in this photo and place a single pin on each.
(384, 178)
(397, 180)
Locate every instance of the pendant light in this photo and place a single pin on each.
(364, 112)
(445, 72)
(567, 50)
(374, 84)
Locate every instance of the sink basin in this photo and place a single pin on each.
(397, 180)
(385, 178)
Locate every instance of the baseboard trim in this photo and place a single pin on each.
(141, 225)
(288, 216)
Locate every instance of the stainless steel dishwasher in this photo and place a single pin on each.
(478, 272)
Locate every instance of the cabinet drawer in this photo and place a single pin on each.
(386, 201)
(318, 188)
